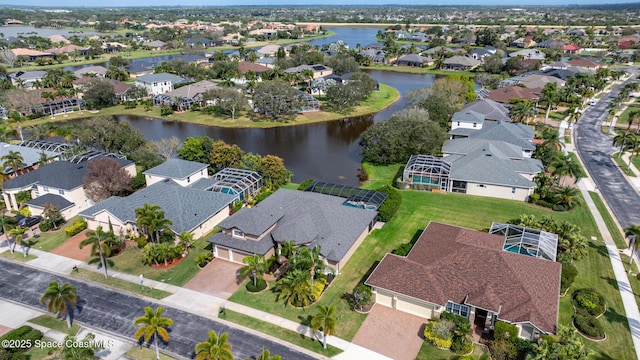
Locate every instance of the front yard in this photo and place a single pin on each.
(418, 208)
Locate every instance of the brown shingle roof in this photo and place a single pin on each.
(503, 95)
(585, 63)
(450, 263)
(244, 66)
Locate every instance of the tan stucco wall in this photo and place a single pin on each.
(209, 224)
(496, 191)
(152, 179)
(404, 303)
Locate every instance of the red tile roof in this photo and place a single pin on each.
(571, 47)
(450, 263)
(503, 95)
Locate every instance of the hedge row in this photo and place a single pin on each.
(76, 228)
(391, 205)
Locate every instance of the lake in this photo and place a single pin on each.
(43, 32)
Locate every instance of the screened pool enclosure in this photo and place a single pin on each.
(527, 241)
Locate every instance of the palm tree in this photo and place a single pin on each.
(324, 320)
(266, 355)
(623, 140)
(307, 76)
(39, 131)
(17, 234)
(255, 266)
(522, 110)
(295, 288)
(14, 160)
(100, 250)
(150, 219)
(567, 196)
(550, 96)
(58, 299)
(633, 116)
(152, 324)
(632, 232)
(574, 115)
(214, 348)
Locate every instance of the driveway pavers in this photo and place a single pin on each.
(219, 278)
(113, 312)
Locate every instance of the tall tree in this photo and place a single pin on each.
(52, 215)
(151, 219)
(550, 96)
(99, 93)
(325, 320)
(105, 178)
(255, 266)
(17, 233)
(153, 325)
(266, 355)
(60, 300)
(13, 160)
(224, 155)
(274, 172)
(166, 148)
(107, 134)
(78, 349)
(197, 149)
(632, 232)
(625, 141)
(100, 250)
(214, 348)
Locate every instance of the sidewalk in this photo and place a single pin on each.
(628, 297)
(201, 304)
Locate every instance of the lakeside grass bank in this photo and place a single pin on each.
(378, 101)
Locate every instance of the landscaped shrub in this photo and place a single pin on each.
(502, 350)
(163, 253)
(403, 250)
(166, 111)
(391, 205)
(263, 195)
(76, 228)
(505, 331)
(204, 259)
(45, 226)
(569, 273)
(588, 324)
(26, 335)
(461, 345)
(589, 300)
(361, 296)
(236, 205)
(138, 181)
(261, 284)
(440, 333)
(467, 357)
(141, 241)
(25, 211)
(305, 184)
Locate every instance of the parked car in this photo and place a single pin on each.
(29, 221)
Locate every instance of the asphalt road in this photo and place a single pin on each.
(595, 149)
(115, 311)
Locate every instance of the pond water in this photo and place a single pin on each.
(326, 151)
(43, 32)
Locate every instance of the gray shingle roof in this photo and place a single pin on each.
(176, 169)
(30, 156)
(162, 77)
(52, 199)
(187, 208)
(260, 247)
(468, 116)
(492, 110)
(308, 218)
(58, 174)
(462, 60)
(517, 134)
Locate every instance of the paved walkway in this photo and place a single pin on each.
(198, 303)
(628, 298)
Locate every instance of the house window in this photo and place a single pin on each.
(474, 124)
(237, 233)
(61, 192)
(45, 189)
(513, 190)
(458, 123)
(458, 309)
(481, 185)
(188, 178)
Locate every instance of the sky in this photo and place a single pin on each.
(122, 3)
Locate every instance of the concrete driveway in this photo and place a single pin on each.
(392, 333)
(219, 278)
(595, 149)
(113, 311)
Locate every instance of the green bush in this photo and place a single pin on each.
(203, 259)
(138, 181)
(461, 345)
(440, 333)
(45, 226)
(24, 333)
(505, 331)
(467, 357)
(569, 273)
(391, 205)
(305, 184)
(588, 324)
(403, 250)
(589, 300)
(76, 228)
(162, 253)
(263, 195)
(166, 111)
(25, 211)
(141, 241)
(261, 284)
(361, 296)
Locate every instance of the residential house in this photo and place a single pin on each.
(507, 93)
(551, 44)
(61, 182)
(182, 172)
(244, 66)
(244, 183)
(307, 218)
(32, 55)
(189, 210)
(467, 119)
(269, 62)
(467, 272)
(572, 49)
(97, 71)
(81, 51)
(233, 39)
(586, 64)
(268, 50)
(528, 54)
(375, 56)
(140, 68)
(159, 83)
(318, 70)
(202, 42)
(183, 97)
(462, 63)
(513, 133)
(576, 32)
(492, 110)
(155, 45)
(26, 79)
(481, 53)
(538, 81)
(110, 47)
(31, 157)
(414, 60)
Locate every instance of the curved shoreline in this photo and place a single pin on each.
(196, 119)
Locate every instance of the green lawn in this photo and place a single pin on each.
(636, 162)
(623, 119)
(52, 239)
(119, 284)
(623, 165)
(144, 353)
(280, 333)
(56, 324)
(18, 255)
(130, 262)
(574, 157)
(417, 70)
(377, 101)
(567, 136)
(617, 236)
(38, 353)
(429, 351)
